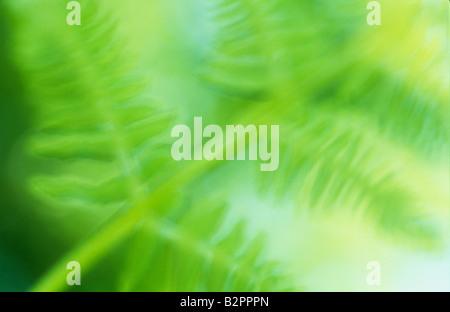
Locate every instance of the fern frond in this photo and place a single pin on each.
(340, 161)
(95, 121)
(189, 254)
(238, 51)
(349, 125)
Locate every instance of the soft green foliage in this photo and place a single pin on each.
(87, 172)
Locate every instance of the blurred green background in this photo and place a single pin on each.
(87, 175)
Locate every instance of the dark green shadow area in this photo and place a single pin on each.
(26, 248)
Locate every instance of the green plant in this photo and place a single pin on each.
(363, 115)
